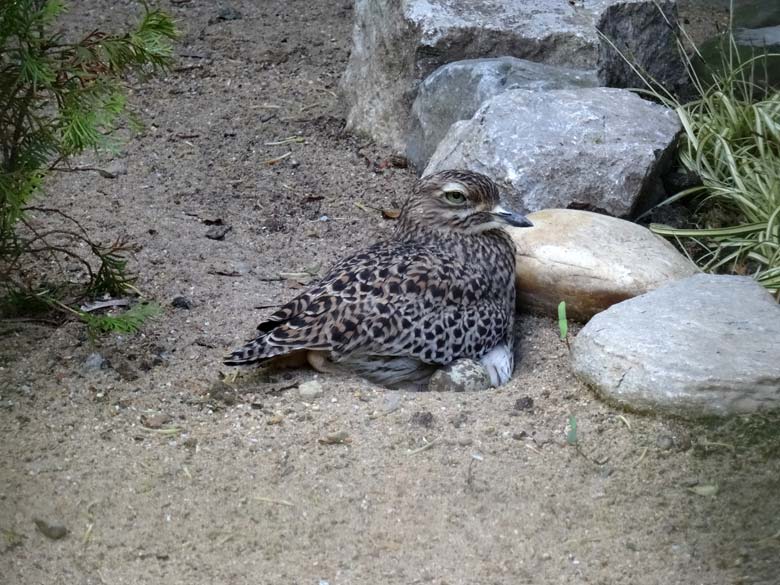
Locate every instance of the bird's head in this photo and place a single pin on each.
(457, 201)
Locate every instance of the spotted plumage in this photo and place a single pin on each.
(441, 288)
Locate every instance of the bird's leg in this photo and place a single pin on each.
(320, 362)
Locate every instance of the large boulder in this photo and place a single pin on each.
(591, 261)
(704, 345)
(455, 91)
(603, 149)
(641, 36)
(398, 43)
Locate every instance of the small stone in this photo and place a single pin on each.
(524, 403)
(519, 436)
(310, 390)
(229, 13)
(53, 531)
(182, 303)
(155, 421)
(664, 442)
(275, 419)
(223, 392)
(114, 169)
(542, 438)
(463, 375)
(683, 441)
(218, 232)
(95, 361)
(338, 438)
(423, 419)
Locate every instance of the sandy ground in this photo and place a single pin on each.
(158, 477)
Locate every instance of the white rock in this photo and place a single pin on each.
(310, 390)
(591, 261)
(704, 345)
(596, 148)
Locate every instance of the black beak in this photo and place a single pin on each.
(511, 218)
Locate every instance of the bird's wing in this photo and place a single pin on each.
(392, 299)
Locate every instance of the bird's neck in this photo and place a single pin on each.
(411, 231)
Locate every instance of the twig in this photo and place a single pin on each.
(272, 501)
(642, 456)
(102, 172)
(273, 161)
(705, 443)
(96, 306)
(624, 420)
(425, 447)
(288, 140)
(532, 448)
(30, 320)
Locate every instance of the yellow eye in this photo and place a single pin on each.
(454, 197)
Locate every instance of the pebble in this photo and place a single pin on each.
(182, 303)
(275, 419)
(155, 421)
(664, 442)
(115, 168)
(218, 232)
(53, 531)
(229, 13)
(310, 390)
(95, 361)
(542, 438)
(423, 419)
(338, 438)
(524, 403)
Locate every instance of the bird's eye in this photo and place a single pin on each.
(454, 197)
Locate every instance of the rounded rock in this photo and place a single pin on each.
(591, 261)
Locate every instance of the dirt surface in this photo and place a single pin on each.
(160, 474)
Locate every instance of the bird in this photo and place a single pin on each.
(440, 288)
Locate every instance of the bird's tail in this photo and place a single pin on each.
(256, 351)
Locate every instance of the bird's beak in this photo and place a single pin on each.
(510, 217)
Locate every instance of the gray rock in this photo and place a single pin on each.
(182, 302)
(602, 149)
(767, 37)
(641, 35)
(463, 375)
(455, 91)
(95, 361)
(52, 531)
(591, 261)
(704, 345)
(396, 44)
(758, 41)
(310, 390)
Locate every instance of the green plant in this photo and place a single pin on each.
(731, 140)
(571, 434)
(58, 98)
(563, 322)
(128, 322)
